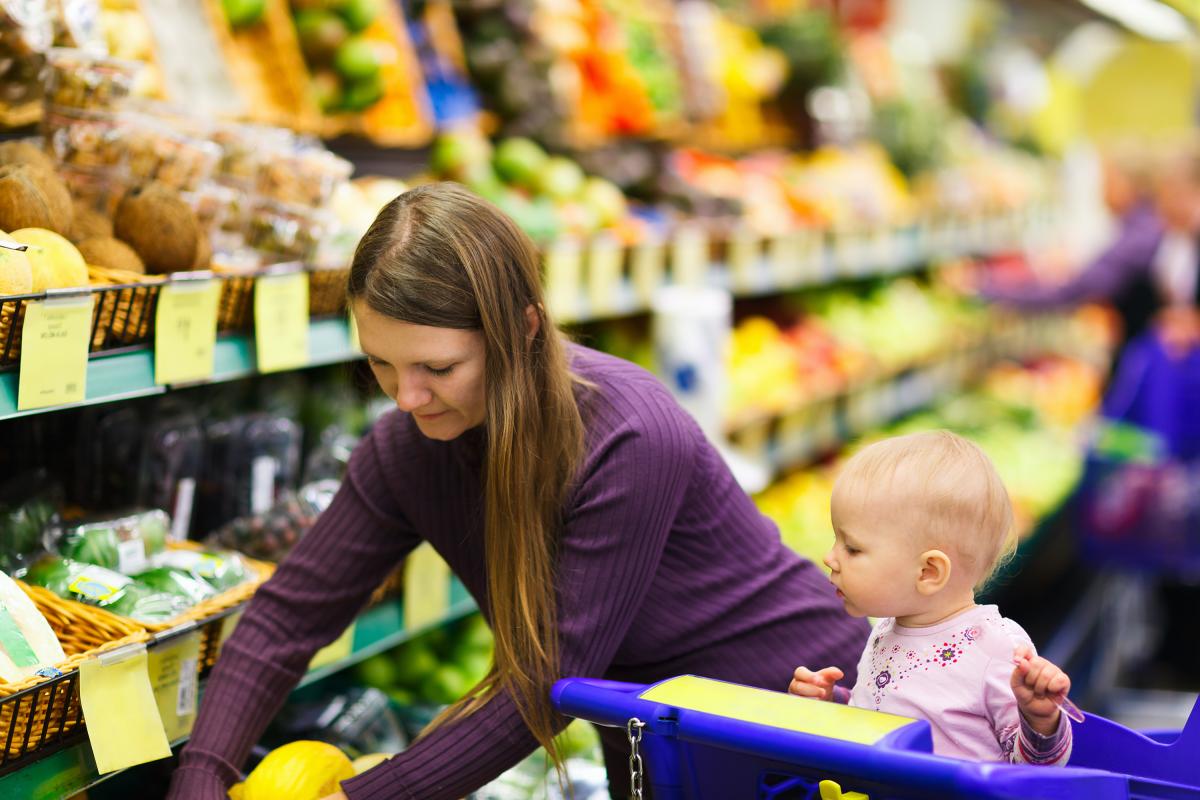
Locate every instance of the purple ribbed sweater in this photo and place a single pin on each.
(666, 567)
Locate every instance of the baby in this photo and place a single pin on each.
(920, 523)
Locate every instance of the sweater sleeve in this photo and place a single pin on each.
(1101, 279)
(613, 538)
(313, 596)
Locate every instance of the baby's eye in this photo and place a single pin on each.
(852, 551)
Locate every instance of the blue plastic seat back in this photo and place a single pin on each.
(1103, 744)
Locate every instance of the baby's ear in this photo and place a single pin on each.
(934, 572)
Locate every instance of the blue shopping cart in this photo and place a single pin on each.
(700, 739)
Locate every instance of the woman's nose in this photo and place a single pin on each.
(411, 395)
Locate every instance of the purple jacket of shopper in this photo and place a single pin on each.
(665, 567)
(1128, 258)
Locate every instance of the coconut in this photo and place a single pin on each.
(160, 226)
(90, 224)
(23, 203)
(23, 152)
(104, 251)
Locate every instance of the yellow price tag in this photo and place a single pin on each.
(648, 268)
(174, 668)
(689, 256)
(775, 709)
(426, 587)
(744, 251)
(122, 716)
(605, 262)
(54, 351)
(281, 321)
(564, 278)
(185, 331)
(335, 651)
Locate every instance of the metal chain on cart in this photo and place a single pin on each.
(634, 729)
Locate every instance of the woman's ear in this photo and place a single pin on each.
(935, 572)
(533, 319)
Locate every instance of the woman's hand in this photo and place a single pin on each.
(1039, 687)
(818, 685)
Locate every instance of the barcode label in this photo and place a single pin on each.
(185, 702)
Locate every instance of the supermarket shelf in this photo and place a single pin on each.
(128, 375)
(808, 261)
(382, 628)
(796, 436)
(72, 769)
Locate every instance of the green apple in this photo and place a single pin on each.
(414, 663)
(359, 14)
(357, 59)
(362, 94)
(321, 33)
(561, 178)
(455, 153)
(605, 200)
(243, 13)
(519, 161)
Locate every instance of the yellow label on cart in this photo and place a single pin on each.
(185, 331)
(426, 588)
(124, 726)
(54, 352)
(281, 321)
(775, 709)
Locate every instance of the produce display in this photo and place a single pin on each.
(1023, 416)
(838, 337)
(93, 585)
(125, 543)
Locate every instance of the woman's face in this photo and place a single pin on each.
(435, 374)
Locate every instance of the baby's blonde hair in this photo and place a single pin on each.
(942, 487)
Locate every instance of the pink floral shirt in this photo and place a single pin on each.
(956, 675)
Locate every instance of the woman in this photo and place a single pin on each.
(1122, 272)
(599, 531)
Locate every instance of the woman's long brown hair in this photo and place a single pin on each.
(440, 256)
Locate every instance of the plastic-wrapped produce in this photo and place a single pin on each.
(221, 570)
(97, 586)
(27, 642)
(29, 505)
(178, 583)
(270, 535)
(108, 453)
(124, 543)
(171, 464)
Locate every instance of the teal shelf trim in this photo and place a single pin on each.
(128, 375)
(73, 770)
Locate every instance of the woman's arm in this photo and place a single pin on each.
(615, 532)
(313, 596)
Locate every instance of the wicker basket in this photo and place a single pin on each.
(45, 716)
(125, 315)
(12, 318)
(209, 614)
(327, 292)
(235, 312)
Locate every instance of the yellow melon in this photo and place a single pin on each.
(16, 275)
(56, 263)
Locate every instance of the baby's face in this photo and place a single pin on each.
(874, 565)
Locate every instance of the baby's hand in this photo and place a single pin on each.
(819, 685)
(1039, 687)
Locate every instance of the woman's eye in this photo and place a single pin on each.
(375, 362)
(440, 372)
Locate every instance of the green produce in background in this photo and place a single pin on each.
(96, 586)
(357, 60)
(358, 14)
(244, 13)
(360, 95)
(321, 34)
(520, 161)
